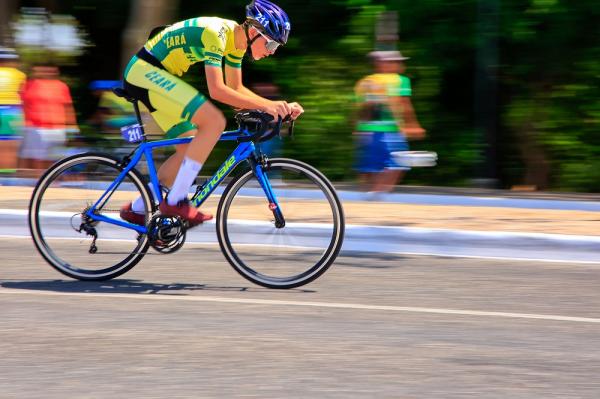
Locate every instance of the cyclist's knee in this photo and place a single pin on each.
(210, 119)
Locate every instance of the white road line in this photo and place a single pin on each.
(272, 302)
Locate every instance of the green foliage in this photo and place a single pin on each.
(546, 108)
(552, 87)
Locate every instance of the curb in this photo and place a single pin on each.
(467, 243)
(405, 240)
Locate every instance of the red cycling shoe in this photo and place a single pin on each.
(130, 216)
(184, 210)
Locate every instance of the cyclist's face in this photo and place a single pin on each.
(264, 46)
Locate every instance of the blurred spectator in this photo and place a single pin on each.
(11, 112)
(386, 120)
(48, 114)
(113, 112)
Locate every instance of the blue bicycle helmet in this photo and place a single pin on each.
(270, 19)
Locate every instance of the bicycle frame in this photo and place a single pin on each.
(245, 151)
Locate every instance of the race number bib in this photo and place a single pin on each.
(132, 133)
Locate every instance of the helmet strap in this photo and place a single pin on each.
(249, 41)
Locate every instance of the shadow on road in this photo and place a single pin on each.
(372, 260)
(125, 286)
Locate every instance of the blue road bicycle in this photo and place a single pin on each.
(279, 222)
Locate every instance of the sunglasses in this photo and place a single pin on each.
(271, 45)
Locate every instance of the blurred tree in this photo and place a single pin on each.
(486, 90)
(440, 38)
(9, 9)
(43, 37)
(145, 15)
(551, 77)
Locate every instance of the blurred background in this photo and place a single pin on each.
(506, 89)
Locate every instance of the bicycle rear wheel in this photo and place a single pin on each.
(62, 232)
(288, 256)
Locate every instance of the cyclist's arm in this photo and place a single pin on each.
(219, 91)
(233, 79)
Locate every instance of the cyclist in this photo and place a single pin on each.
(153, 74)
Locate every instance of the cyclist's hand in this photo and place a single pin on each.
(278, 109)
(297, 110)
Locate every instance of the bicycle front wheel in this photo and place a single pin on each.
(75, 244)
(281, 256)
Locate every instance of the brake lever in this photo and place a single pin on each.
(280, 121)
(289, 119)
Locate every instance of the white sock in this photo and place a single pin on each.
(185, 178)
(138, 205)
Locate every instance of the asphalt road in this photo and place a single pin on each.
(374, 326)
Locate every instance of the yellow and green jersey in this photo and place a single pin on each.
(373, 93)
(204, 39)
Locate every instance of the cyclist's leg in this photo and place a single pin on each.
(179, 110)
(168, 170)
(206, 125)
(209, 123)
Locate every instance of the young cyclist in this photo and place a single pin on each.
(180, 110)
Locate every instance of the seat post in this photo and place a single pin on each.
(136, 107)
(121, 92)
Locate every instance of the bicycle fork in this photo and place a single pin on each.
(263, 180)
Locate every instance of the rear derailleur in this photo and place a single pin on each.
(88, 226)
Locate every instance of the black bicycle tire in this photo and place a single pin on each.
(326, 260)
(36, 198)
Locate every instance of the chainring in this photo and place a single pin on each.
(166, 233)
